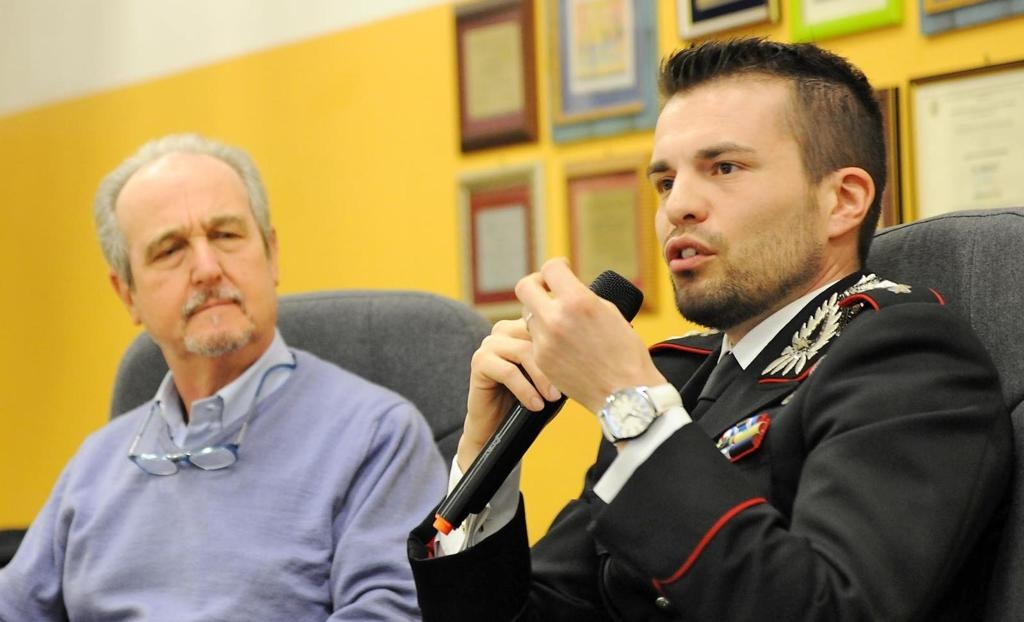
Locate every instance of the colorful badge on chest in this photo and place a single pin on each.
(743, 438)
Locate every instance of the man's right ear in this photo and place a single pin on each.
(127, 296)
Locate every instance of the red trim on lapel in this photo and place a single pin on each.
(866, 298)
(674, 346)
(704, 541)
(800, 378)
(849, 301)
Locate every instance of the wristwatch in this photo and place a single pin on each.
(628, 413)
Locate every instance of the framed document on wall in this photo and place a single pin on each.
(968, 139)
(888, 102)
(610, 216)
(942, 15)
(603, 67)
(698, 18)
(497, 83)
(502, 232)
(931, 7)
(814, 20)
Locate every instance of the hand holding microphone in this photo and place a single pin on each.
(520, 427)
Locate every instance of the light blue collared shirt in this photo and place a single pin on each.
(211, 415)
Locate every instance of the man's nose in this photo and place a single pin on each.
(685, 203)
(206, 267)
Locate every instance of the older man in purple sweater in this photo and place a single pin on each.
(260, 483)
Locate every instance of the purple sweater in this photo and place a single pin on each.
(309, 524)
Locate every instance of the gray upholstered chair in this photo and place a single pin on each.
(974, 260)
(415, 343)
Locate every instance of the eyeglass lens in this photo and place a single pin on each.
(208, 459)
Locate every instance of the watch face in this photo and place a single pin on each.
(630, 414)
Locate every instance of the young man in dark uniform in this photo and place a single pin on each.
(839, 450)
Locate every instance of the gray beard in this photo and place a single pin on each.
(219, 345)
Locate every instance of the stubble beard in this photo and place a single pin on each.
(756, 284)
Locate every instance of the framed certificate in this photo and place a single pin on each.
(931, 7)
(814, 20)
(497, 84)
(502, 232)
(968, 139)
(604, 67)
(888, 102)
(942, 15)
(610, 214)
(698, 18)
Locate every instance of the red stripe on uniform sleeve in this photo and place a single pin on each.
(704, 541)
(681, 348)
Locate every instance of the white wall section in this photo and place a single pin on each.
(52, 50)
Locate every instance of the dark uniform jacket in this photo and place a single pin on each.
(855, 471)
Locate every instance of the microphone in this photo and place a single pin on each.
(520, 427)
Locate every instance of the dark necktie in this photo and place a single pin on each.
(721, 376)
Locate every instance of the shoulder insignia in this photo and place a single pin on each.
(826, 322)
(885, 296)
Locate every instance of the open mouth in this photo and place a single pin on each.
(684, 255)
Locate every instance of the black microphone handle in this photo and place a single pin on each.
(519, 429)
(506, 447)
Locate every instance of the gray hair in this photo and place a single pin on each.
(115, 247)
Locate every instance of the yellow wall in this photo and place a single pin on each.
(356, 136)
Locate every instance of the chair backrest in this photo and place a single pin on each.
(415, 343)
(972, 258)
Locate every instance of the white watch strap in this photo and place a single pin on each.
(664, 396)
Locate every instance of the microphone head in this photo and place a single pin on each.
(617, 289)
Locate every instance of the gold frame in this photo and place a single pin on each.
(602, 237)
(496, 66)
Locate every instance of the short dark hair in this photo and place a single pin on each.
(837, 119)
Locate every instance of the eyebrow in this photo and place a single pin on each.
(712, 152)
(707, 153)
(155, 245)
(657, 167)
(178, 232)
(219, 221)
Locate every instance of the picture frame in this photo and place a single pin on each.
(497, 73)
(604, 60)
(502, 230)
(699, 18)
(813, 20)
(967, 130)
(892, 208)
(611, 208)
(931, 7)
(939, 16)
